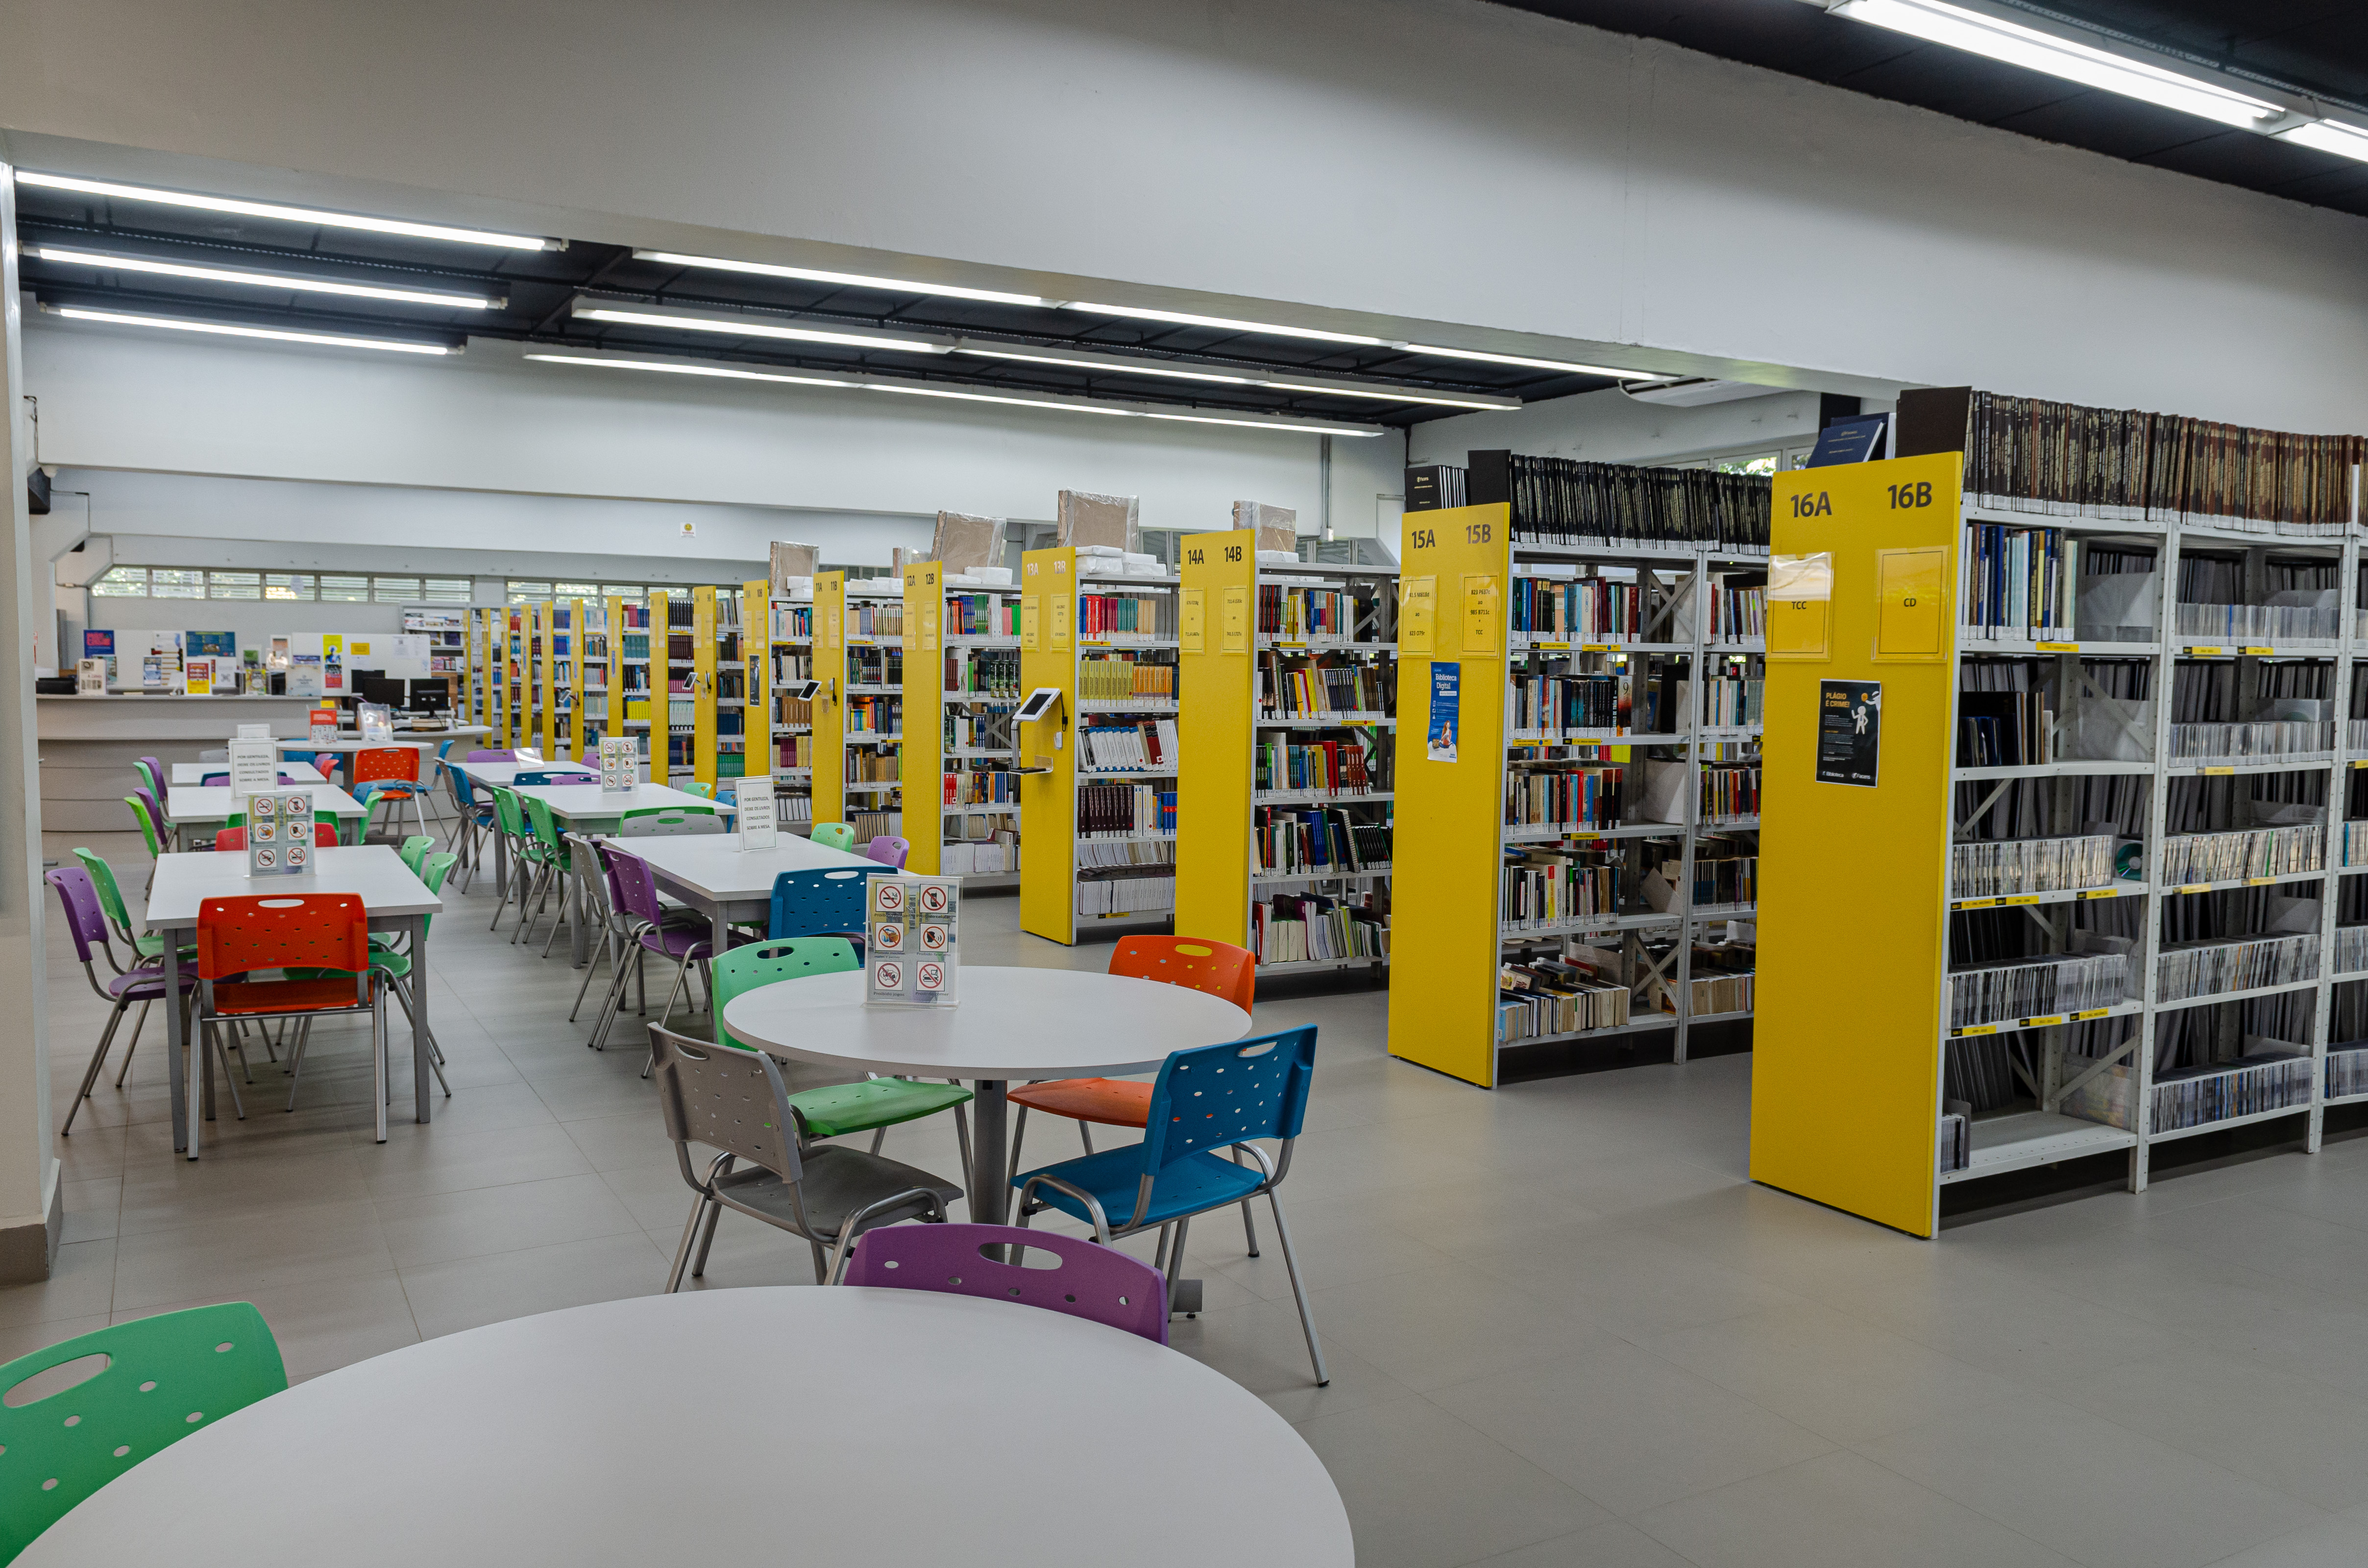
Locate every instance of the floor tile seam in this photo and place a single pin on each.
(2284, 1283)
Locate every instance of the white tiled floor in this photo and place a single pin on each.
(1564, 1329)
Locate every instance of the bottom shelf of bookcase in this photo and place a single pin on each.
(1647, 1021)
(985, 880)
(1309, 966)
(2223, 1123)
(2031, 1137)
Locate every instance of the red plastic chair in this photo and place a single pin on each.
(324, 836)
(392, 772)
(322, 940)
(1099, 1283)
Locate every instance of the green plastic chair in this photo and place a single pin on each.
(509, 821)
(110, 899)
(147, 825)
(698, 787)
(415, 848)
(166, 1376)
(547, 852)
(832, 835)
(839, 1109)
(668, 811)
(148, 776)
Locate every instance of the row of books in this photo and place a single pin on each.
(2005, 729)
(1580, 798)
(794, 751)
(1111, 679)
(1585, 610)
(1543, 705)
(1724, 879)
(2248, 743)
(875, 618)
(1115, 854)
(977, 729)
(875, 715)
(1150, 744)
(1101, 897)
(1999, 867)
(1545, 997)
(1298, 612)
(2183, 974)
(2350, 948)
(1318, 840)
(1349, 767)
(2196, 1097)
(2025, 988)
(2036, 454)
(1734, 702)
(1729, 792)
(2260, 852)
(982, 615)
(2347, 1070)
(788, 623)
(1121, 616)
(1540, 887)
(2273, 622)
(2356, 844)
(996, 857)
(1119, 811)
(869, 767)
(983, 672)
(1302, 928)
(1562, 501)
(982, 789)
(2019, 583)
(1737, 614)
(1319, 691)
(1710, 993)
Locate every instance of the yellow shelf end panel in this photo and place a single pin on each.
(923, 767)
(702, 685)
(1854, 843)
(756, 686)
(830, 702)
(614, 702)
(546, 699)
(1444, 870)
(1048, 764)
(1216, 683)
(578, 642)
(661, 689)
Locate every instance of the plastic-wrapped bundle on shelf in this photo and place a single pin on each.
(2197, 1096)
(2022, 988)
(2248, 743)
(2186, 972)
(1997, 868)
(2231, 857)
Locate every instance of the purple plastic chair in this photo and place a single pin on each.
(636, 892)
(889, 851)
(492, 756)
(325, 763)
(165, 829)
(1099, 1283)
(86, 923)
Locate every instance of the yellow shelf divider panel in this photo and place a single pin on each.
(661, 691)
(1217, 677)
(924, 764)
(702, 683)
(571, 726)
(830, 702)
(1454, 566)
(614, 702)
(755, 686)
(1846, 1053)
(1048, 764)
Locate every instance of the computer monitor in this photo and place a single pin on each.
(373, 687)
(431, 696)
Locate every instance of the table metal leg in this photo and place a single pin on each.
(421, 1068)
(990, 1194)
(174, 1041)
(501, 861)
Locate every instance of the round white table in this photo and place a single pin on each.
(1009, 1022)
(781, 1424)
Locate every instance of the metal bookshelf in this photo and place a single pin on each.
(960, 690)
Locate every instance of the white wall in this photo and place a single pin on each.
(529, 457)
(1381, 163)
(1610, 426)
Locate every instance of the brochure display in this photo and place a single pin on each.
(754, 797)
(254, 765)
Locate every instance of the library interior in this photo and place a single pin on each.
(1406, 549)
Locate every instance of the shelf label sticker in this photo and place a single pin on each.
(2217, 770)
(1593, 647)
(1419, 617)
(2058, 647)
(2101, 893)
(1977, 903)
(2045, 1021)
(1551, 647)
(1974, 1029)
(2020, 898)
(2200, 652)
(2258, 881)
(2087, 1012)
(2192, 887)
(2257, 652)
(1480, 605)
(1234, 620)
(1195, 620)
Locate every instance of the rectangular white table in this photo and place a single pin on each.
(427, 740)
(712, 873)
(210, 805)
(501, 774)
(586, 808)
(193, 774)
(397, 901)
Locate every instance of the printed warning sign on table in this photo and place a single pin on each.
(279, 833)
(912, 944)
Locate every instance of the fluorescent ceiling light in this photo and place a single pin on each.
(285, 214)
(1397, 395)
(1120, 365)
(2036, 51)
(1184, 318)
(911, 389)
(223, 329)
(1088, 362)
(274, 280)
(849, 280)
(2328, 136)
(1478, 357)
(744, 326)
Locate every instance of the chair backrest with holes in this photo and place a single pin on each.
(166, 1376)
(889, 851)
(1215, 1095)
(147, 823)
(86, 919)
(414, 849)
(111, 897)
(831, 836)
(699, 787)
(732, 1101)
(399, 763)
(538, 778)
(1217, 968)
(819, 903)
(663, 823)
(322, 930)
(492, 756)
(1099, 1283)
(155, 806)
(769, 962)
(152, 773)
(636, 889)
(591, 875)
(432, 871)
(540, 822)
(507, 811)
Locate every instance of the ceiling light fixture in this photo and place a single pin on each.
(846, 279)
(1482, 357)
(2330, 136)
(1120, 365)
(910, 389)
(1396, 394)
(1979, 33)
(224, 329)
(1184, 318)
(274, 280)
(746, 326)
(286, 214)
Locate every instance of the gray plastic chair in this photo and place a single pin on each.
(666, 824)
(735, 1101)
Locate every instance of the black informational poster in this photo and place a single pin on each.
(1849, 732)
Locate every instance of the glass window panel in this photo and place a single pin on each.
(346, 590)
(233, 585)
(123, 581)
(522, 592)
(287, 584)
(174, 583)
(446, 591)
(575, 590)
(395, 590)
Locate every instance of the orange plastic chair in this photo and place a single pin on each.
(321, 940)
(395, 771)
(1217, 968)
(324, 836)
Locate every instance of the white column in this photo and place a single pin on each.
(29, 1166)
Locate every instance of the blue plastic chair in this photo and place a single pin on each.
(524, 781)
(1218, 1098)
(821, 904)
